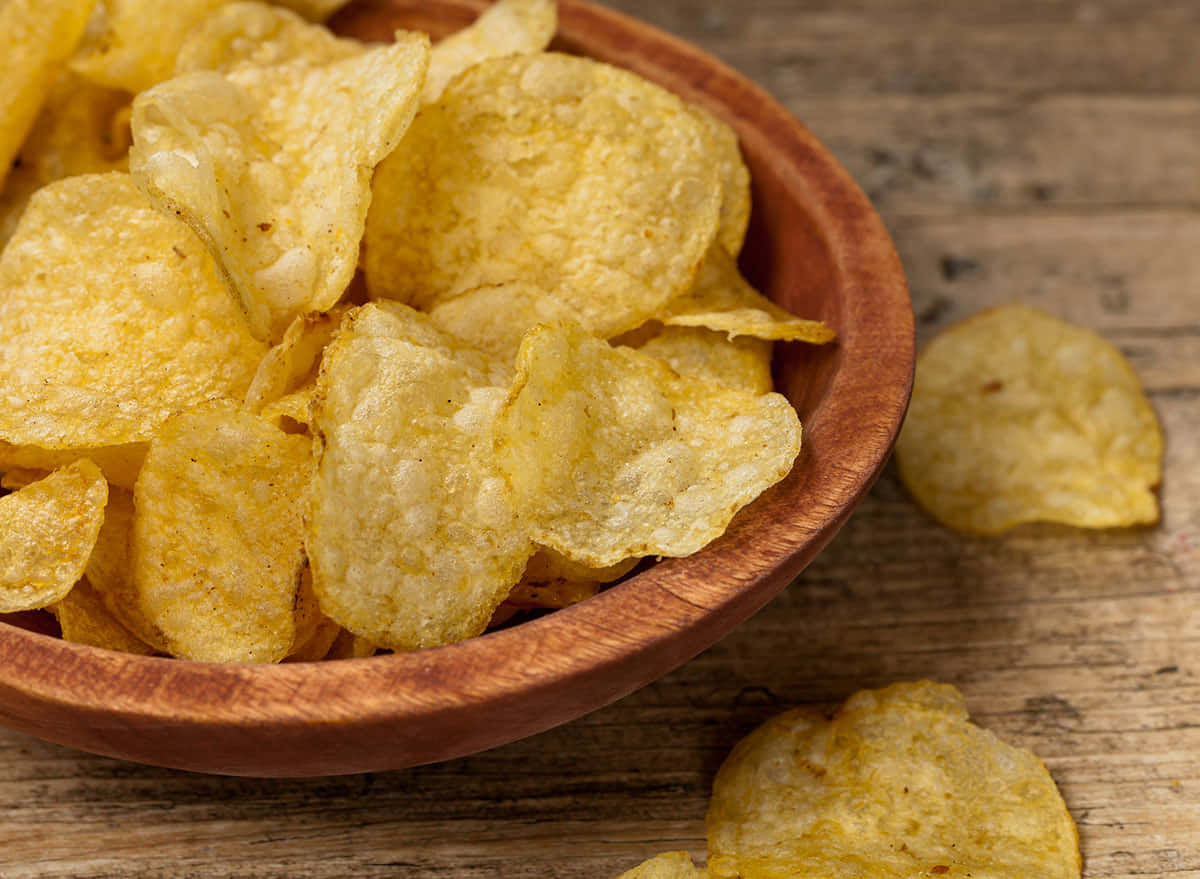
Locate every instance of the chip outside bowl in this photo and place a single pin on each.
(815, 245)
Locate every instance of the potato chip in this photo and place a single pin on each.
(85, 619)
(507, 27)
(36, 37)
(112, 316)
(291, 366)
(82, 129)
(735, 182)
(317, 643)
(217, 549)
(414, 540)
(898, 783)
(119, 464)
(18, 477)
(141, 39)
(347, 645)
(272, 166)
(47, 530)
(584, 180)
(1017, 417)
(743, 363)
(669, 865)
(611, 454)
(495, 319)
(108, 570)
(256, 35)
(721, 299)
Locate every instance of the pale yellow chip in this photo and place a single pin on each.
(743, 363)
(668, 865)
(1017, 416)
(112, 316)
(507, 27)
(554, 581)
(82, 129)
(611, 454)
(495, 319)
(898, 784)
(721, 299)
(36, 37)
(735, 182)
(217, 549)
(47, 530)
(287, 374)
(256, 35)
(414, 540)
(140, 40)
(110, 574)
(582, 179)
(84, 618)
(119, 464)
(272, 164)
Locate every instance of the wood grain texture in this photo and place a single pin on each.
(973, 125)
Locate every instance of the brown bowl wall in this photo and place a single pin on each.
(815, 245)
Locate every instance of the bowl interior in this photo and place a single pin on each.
(815, 246)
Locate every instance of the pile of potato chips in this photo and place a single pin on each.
(221, 446)
(896, 783)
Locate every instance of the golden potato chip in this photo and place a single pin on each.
(291, 366)
(414, 540)
(347, 645)
(584, 180)
(217, 549)
(85, 619)
(668, 865)
(109, 574)
(47, 530)
(721, 299)
(611, 454)
(272, 166)
(554, 581)
(112, 316)
(743, 363)
(256, 35)
(141, 39)
(898, 783)
(507, 27)
(317, 643)
(82, 129)
(735, 182)
(19, 477)
(555, 594)
(495, 319)
(1017, 417)
(36, 37)
(119, 464)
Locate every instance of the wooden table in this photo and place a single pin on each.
(1047, 152)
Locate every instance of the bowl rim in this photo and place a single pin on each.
(518, 681)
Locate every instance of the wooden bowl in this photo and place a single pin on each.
(815, 245)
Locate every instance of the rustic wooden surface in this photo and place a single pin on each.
(1037, 151)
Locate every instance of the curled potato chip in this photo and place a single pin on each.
(582, 179)
(271, 165)
(1017, 416)
(287, 374)
(47, 530)
(897, 783)
(84, 618)
(735, 182)
(140, 40)
(119, 464)
(611, 454)
(83, 129)
(668, 865)
(554, 581)
(743, 363)
(414, 540)
(112, 316)
(36, 37)
(721, 299)
(507, 27)
(217, 549)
